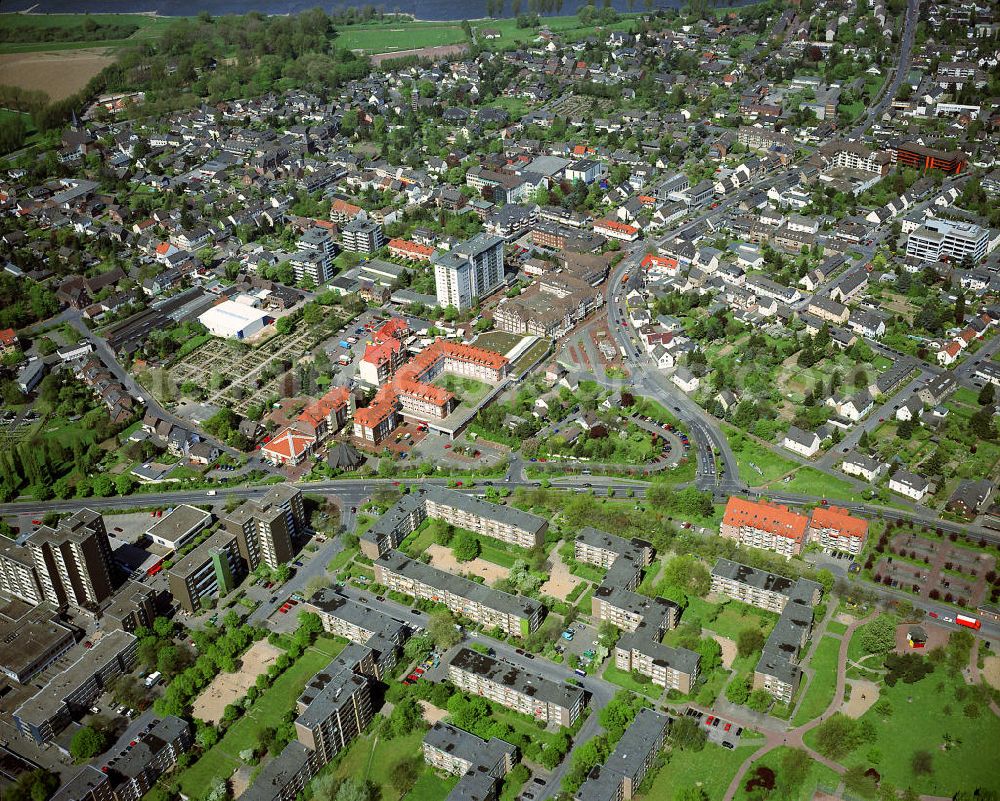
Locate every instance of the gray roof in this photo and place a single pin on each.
(357, 614)
(761, 579)
(639, 739)
(508, 515)
(467, 746)
(179, 522)
(680, 659)
(520, 680)
(83, 783)
(515, 605)
(278, 773)
(134, 763)
(328, 691)
(597, 538)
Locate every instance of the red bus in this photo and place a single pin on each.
(969, 622)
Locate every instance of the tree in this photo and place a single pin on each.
(88, 742)
(403, 775)
(922, 763)
(857, 780)
(35, 785)
(686, 734)
(987, 394)
(441, 628)
(466, 546)
(352, 789)
(879, 635)
(759, 700)
(689, 574)
(795, 767)
(749, 640)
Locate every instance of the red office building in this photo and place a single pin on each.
(927, 158)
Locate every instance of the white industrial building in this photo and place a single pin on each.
(232, 320)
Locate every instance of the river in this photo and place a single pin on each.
(421, 9)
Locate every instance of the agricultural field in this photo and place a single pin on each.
(57, 73)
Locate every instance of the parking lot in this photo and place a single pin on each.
(720, 731)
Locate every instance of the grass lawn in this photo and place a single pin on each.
(836, 627)
(623, 679)
(818, 773)
(588, 572)
(712, 769)
(757, 464)
(810, 481)
(341, 559)
(922, 714)
(372, 758)
(431, 787)
(498, 341)
(500, 553)
(416, 542)
(734, 616)
(823, 684)
(222, 759)
(390, 37)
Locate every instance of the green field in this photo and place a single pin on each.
(823, 684)
(712, 769)
(431, 787)
(819, 774)
(750, 453)
(836, 627)
(220, 761)
(734, 616)
(810, 481)
(390, 37)
(623, 679)
(77, 38)
(372, 759)
(922, 714)
(468, 390)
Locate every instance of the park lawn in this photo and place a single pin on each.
(750, 453)
(416, 542)
(711, 768)
(431, 786)
(922, 714)
(624, 679)
(735, 616)
(500, 553)
(498, 341)
(372, 758)
(341, 559)
(824, 681)
(836, 627)
(391, 37)
(67, 433)
(810, 481)
(818, 775)
(588, 572)
(221, 760)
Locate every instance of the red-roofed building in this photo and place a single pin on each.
(343, 212)
(8, 340)
(769, 526)
(289, 447)
(836, 529)
(326, 416)
(375, 422)
(659, 264)
(414, 251)
(949, 353)
(381, 361)
(616, 230)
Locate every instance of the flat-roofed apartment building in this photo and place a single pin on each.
(87, 784)
(32, 638)
(938, 238)
(73, 561)
(333, 708)
(361, 624)
(618, 779)
(671, 668)
(134, 605)
(769, 526)
(502, 523)
(70, 693)
(645, 619)
(512, 614)
(482, 764)
(777, 671)
(265, 527)
(515, 689)
(599, 548)
(153, 754)
(836, 530)
(18, 576)
(215, 566)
